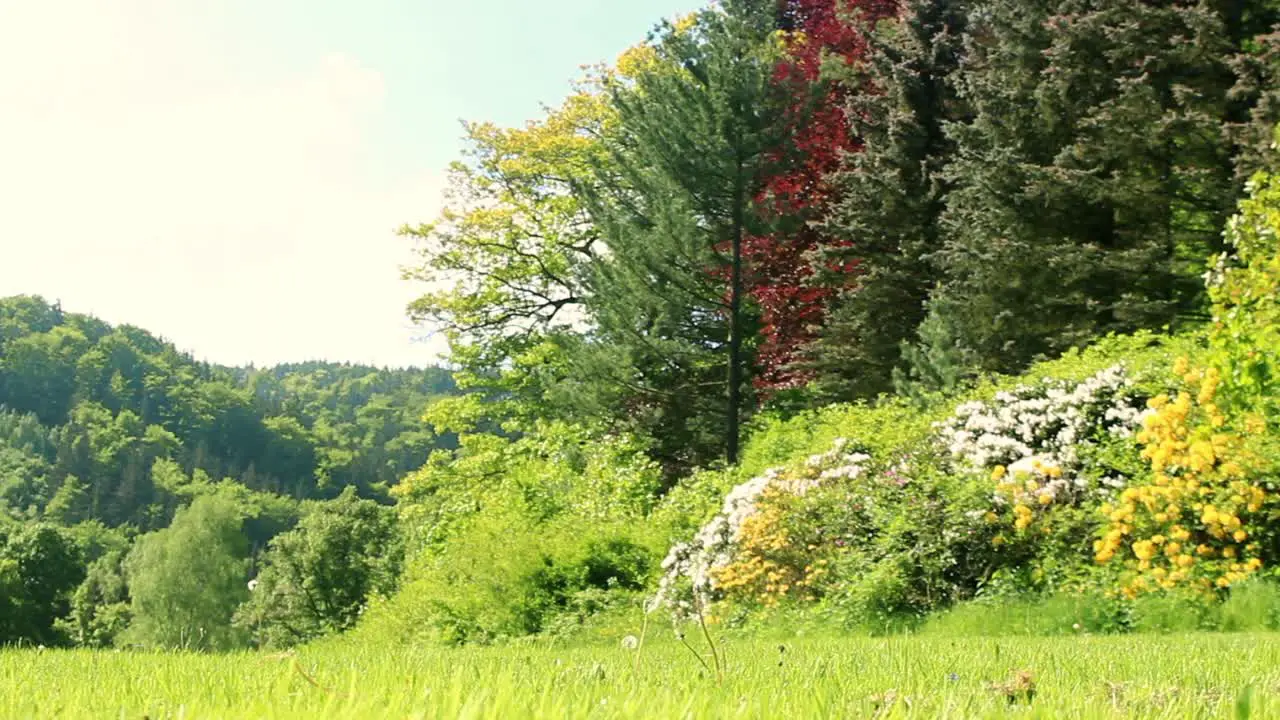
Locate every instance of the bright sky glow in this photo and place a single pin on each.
(230, 174)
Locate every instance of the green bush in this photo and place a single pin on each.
(316, 578)
(1245, 289)
(1172, 612)
(1251, 606)
(505, 577)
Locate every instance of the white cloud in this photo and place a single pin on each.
(243, 217)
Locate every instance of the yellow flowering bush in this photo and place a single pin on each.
(1029, 490)
(770, 563)
(1192, 523)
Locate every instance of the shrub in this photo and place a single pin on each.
(1245, 290)
(1252, 606)
(505, 577)
(316, 578)
(1190, 523)
(1172, 611)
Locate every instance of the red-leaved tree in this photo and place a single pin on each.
(781, 279)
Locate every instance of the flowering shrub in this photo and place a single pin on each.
(1193, 522)
(1048, 421)
(784, 548)
(699, 571)
(1027, 484)
(1032, 437)
(771, 562)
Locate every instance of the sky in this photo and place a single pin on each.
(229, 174)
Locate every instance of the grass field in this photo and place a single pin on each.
(1166, 676)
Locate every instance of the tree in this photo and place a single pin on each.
(37, 373)
(187, 579)
(99, 609)
(317, 578)
(822, 39)
(39, 567)
(890, 197)
(512, 236)
(1256, 105)
(508, 250)
(1089, 179)
(696, 125)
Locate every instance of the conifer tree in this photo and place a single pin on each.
(695, 134)
(1256, 105)
(891, 197)
(1090, 180)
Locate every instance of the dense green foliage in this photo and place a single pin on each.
(39, 566)
(82, 399)
(187, 579)
(106, 434)
(316, 578)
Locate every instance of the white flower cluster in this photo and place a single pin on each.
(1217, 273)
(715, 544)
(1047, 421)
(838, 462)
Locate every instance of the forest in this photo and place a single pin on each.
(883, 314)
(109, 436)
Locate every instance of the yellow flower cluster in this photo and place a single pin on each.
(1188, 526)
(1025, 491)
(769, 565)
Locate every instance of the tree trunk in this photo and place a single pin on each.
(735, 324)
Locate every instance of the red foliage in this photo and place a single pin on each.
(781, 279)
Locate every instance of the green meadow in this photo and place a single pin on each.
(1131, 676)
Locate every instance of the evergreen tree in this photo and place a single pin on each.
(1091, 178)
(695, 134)
(891, 192)
(1256, 105)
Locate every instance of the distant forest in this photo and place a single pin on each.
(89, 411)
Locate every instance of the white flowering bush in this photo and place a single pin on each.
(688, 582)
(1043, 425)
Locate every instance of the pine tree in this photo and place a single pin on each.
(1089, 182)
(891, 197)
(695, 134)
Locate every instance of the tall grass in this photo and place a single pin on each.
(925, 677)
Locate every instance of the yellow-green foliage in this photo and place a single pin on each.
(505, 577)
(1245, 290)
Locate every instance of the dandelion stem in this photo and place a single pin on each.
(693, 650)
(715, 653)
(644, 628)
